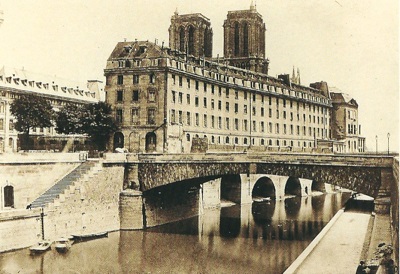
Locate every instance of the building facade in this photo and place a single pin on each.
(166, 101)
(345, 125)
(16, 82)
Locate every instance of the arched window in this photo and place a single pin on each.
(191, 40)
(9, 196)
(212, 139)
(227, 140)
(151, 140)
(262, 142)
(245, 141)
(270, 142)
(236, 140)
(118, 140)
(188, 137)
(245, 39)
(181, 39)
(236, 39)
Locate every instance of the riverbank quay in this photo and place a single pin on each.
(347, 239)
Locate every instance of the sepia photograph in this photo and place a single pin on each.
(199, 137)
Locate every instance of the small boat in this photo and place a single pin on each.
(87, 237)
(261, 199)
(40, 247)
(63, 245)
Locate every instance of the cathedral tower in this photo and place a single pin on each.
(244, 40)
(191, 33)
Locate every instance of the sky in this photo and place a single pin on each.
(353, 45)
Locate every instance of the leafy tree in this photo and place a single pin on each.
(98, 123)
(95, 120)
(31, 111)
(68, 119)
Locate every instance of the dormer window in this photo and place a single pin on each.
(55, 87)
(39, 84)
(24, 82)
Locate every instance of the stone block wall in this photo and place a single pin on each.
(19, 229)
(91, 206)
(211, 194)
(131, 210)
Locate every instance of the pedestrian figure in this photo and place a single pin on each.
(360, 268)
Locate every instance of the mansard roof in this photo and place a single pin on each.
(137, 49)
(46, 85)
(343, 98)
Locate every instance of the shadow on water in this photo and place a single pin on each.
(263, 237)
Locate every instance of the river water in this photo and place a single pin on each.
(262, 237)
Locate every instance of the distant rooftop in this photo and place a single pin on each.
(48, 85)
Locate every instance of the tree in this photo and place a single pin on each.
(68, 119)
(98, 123)
(31, 111)
(94, 119)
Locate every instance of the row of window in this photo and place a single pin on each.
(351, 129)
(243, 125)
(151, 95)
(10, 124)
(177, 97)
(269, 88)
(151, 116)
(228, 140)
(135, 79)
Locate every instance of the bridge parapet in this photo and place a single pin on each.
(289, 158)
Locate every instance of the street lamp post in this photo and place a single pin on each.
(376, 144)
(388, 136)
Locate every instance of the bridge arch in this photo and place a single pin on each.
(264, 187)
(293, 186)
(318, 186)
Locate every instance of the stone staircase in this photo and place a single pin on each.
(79, 173)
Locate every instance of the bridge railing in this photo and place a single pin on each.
(294, 158)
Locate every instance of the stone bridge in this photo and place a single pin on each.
(367, 174)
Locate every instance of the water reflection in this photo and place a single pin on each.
(258, 238)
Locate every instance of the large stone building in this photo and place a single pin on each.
(178, 100)
(345, 124)
(15, 82)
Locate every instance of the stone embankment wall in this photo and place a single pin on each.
(30, 180)
(19, 229)
(90, 206)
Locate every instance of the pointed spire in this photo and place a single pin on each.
(252, 7)
(298, 76)
(176, 11)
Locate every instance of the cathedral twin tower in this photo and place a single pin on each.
(244, 38)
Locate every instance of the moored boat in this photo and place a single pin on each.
(62, 245)
(87, 237)
(40, 247)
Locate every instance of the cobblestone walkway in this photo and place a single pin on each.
(339, 250)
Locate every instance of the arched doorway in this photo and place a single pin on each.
(263, 188)
(118, 140)
(151, 142)
(8, 196)
(293, 186)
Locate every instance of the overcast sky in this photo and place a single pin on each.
(351, 44)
